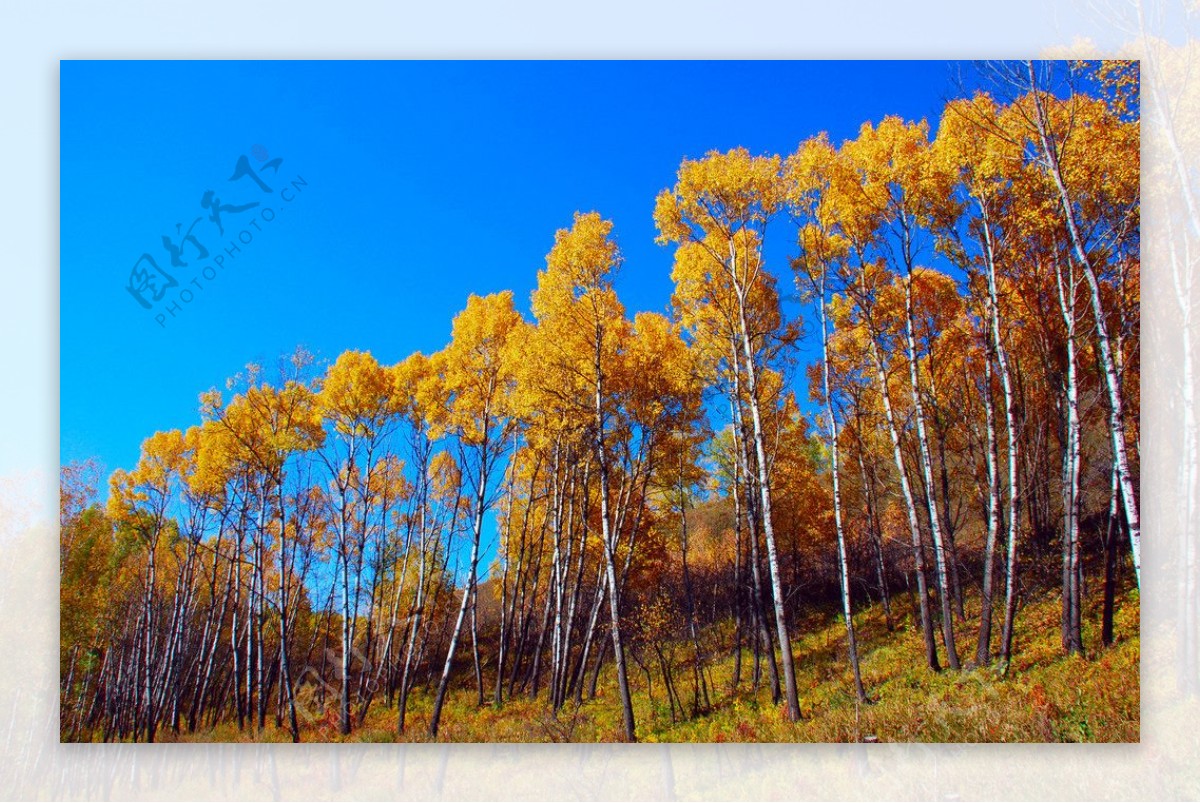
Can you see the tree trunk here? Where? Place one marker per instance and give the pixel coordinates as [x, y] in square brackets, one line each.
[785, 643]
[1072, 636]
[844, 571]
[983, 652]
[476, 531]
[935, 529]
[1112, 379]
[931, 656]
[609, 539]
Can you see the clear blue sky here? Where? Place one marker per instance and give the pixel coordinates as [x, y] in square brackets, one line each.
[422, 183]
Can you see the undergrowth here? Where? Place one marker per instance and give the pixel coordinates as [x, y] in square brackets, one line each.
[1042, 696]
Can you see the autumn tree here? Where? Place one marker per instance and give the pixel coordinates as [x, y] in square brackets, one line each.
[477, 372]
[356, 402]
[718, 211]
[581, 329]
[822, 254]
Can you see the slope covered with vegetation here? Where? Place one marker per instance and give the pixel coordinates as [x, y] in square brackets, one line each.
[1044, 697]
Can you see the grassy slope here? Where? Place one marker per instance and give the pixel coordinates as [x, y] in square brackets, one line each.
[1044, 696]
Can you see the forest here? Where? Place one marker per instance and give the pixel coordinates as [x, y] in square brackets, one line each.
[908, 512]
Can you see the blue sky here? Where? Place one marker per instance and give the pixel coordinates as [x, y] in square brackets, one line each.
[411, 185]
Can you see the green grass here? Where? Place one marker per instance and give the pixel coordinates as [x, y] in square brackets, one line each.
[1044, 696]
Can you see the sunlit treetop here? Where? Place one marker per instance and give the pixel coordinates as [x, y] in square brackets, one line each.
[477, 368]
[256, 432]
[584, 258]
[144, 495]
[356, 395]
[720, 194]
[417, 389]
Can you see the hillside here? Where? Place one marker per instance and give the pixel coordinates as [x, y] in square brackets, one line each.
[1045, 696]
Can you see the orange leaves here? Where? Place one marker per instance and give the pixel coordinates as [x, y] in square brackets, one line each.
[719, 194]
[659, 377]
[583, 344]
[810, 170]
[417, 389]
[478, 368]
[717, 213]
[1101, 162]
[800, 484]
[581, 327]
[284, 420]
[257, 431]
[668, 217]
[445, 476]
[704, 299]
[898, 176]
[123, 495]
[586, 252]
[583, 261]
[824, 194]
[356, 394]
[821, 245]
[162, 457]
[142, 497]
[973, 145]
[1119, 81]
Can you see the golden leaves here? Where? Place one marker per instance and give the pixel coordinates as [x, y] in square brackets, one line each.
[584, 258]
[719, 194]
[148, 490]
[477, 370]
[356, 394]
[256, 432]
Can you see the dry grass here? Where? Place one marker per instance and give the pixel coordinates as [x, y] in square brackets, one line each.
[1044, 697]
